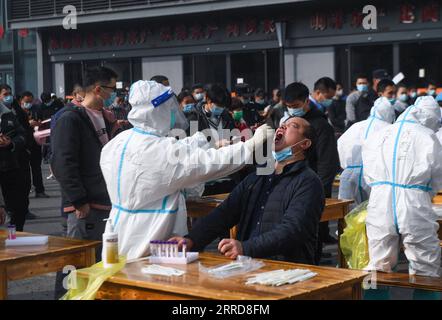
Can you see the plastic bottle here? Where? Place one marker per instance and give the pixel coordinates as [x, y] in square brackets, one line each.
[110, 245]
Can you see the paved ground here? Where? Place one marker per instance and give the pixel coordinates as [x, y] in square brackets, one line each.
[48, 222]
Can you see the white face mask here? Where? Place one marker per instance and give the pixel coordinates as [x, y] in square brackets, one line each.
[199, 97]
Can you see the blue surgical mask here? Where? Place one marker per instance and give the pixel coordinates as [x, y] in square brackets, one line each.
[392, 101]
[403, 97]
[326, 103]
[261, 102]
[27, 105]
[296, 112]
[217, 111]
[8, 100]
[414, 95]
[362, 87]
[283, 154]
[188, 108]
[108, 102]
[431, 92]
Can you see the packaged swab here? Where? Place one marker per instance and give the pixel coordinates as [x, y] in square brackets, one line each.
[162, 271]
[241, 265]
[281, 277]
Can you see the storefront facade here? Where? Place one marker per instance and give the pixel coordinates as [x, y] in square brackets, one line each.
[232, 43]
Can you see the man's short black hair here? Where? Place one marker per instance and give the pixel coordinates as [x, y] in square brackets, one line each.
[45, 97]
[183, 94]
[236, 104]
[218, 94]
[159, 79]
[431, 83]
[383, 84]
[325, 84]
[99, 76]
[361, 76]
[5, 87]
[296, 91]
[197, 86]
[259, 93]
[26, 94]
[381, 74]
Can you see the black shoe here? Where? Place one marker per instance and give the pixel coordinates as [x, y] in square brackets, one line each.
[31, 216]
[41, 195]
[330, 240]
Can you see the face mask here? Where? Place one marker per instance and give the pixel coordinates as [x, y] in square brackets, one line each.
[217, 111]
[327, 103]
[339, 93]
[108, 102]
[392, 101]
[431, 92]
[237, 115]
[8, 100]
[27, 105]
[362, 87]
[245, 101]
[296, 112]
[414, 95]
[199, 97]
[403, 97]
[188, 108]
[261, 102]
[285, 153]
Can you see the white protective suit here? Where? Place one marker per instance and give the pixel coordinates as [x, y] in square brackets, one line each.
[145, 171]
[403, 166]
[352, 185]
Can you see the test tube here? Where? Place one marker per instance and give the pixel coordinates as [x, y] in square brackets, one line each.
[184, 249]
[175, 249]
[12, 232]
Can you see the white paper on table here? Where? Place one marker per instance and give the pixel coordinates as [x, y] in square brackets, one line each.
[27, 241]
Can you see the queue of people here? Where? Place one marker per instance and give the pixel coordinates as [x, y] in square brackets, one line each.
[135, 156]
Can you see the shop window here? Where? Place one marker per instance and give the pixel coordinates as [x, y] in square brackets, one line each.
[421, 62]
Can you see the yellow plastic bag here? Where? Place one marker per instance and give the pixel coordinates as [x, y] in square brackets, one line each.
[353, 242]
[84, 284]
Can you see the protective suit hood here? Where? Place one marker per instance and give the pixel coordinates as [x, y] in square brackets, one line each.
[426, 111]
[383, 110]
[155, 108]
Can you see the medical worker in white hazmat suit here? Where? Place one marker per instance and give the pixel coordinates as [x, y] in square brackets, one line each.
[352, 185]
[146, 171]
[403, 166]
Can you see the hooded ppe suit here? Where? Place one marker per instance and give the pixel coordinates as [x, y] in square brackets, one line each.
[146, 171]
[352, 185]
[403, 166]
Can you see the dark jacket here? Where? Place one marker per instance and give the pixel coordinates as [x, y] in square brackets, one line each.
[198, 114]
[76, 160]
[364, 105]
[289, 225]
[337, 115]
[325, 161]
[9, 125]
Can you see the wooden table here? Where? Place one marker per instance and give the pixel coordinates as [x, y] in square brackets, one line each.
[335, 209]
[131, 284]
[29, 261]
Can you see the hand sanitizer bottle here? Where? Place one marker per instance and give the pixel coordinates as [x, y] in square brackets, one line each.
[110, 245]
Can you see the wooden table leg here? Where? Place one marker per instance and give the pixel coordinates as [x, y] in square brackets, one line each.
[3, 282]
[90, 257]
[341, 226]
[357, 292]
